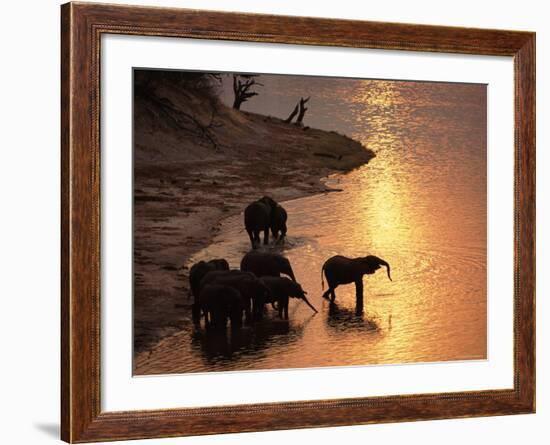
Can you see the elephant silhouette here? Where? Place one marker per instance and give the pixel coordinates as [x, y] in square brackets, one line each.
[283, 288]
[267, 264]
[278, 223]
[253, 291]
[218, 303]
[257, 218]
[342, 270]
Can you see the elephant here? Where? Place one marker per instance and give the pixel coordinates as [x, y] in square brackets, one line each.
[257, 218]
[218, 302]
[252, 290]
[342, 270]
[281, 288]
[268, 264]
[200, 269]
[278, 223]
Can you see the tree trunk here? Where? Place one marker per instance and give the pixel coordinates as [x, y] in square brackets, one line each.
[242, 89]
[303, 110]
[288, 120]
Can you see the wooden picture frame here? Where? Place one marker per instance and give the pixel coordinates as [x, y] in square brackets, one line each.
[82, 25]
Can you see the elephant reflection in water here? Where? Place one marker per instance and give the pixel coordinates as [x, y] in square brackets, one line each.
[343, 319]
[226, 346]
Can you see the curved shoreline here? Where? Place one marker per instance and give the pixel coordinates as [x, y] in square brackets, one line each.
[161, 302]
[184, 188]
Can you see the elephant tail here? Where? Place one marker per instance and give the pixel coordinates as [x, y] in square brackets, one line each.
[322, 281]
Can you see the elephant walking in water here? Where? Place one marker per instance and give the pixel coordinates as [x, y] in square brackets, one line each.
[278, 223]
[341, 270]
[267, 264]
[252, 290]
[257, 218]
[218, 303]
[283, 288]
[196, 274]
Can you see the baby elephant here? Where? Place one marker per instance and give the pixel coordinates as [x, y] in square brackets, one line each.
[342, 270]
[281, 288]
[218, 303]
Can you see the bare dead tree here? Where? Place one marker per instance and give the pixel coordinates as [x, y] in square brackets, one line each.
[288, 120]
[242, 88]
[300, 110]
[303, 110]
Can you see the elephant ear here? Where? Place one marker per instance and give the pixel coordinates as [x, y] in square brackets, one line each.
[372, 264]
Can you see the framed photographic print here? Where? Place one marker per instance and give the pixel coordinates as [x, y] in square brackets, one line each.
[279, 222]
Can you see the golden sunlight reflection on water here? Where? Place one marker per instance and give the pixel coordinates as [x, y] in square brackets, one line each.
[420, 205]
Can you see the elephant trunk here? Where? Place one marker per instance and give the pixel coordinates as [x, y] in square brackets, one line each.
[308, 303]
[384, 263]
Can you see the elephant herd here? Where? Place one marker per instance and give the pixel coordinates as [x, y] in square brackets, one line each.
[222, 294]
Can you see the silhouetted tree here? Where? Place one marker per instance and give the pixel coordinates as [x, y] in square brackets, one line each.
[303, 110]
[203, 128]
[300, 110]
[242, 87]
[288, 120]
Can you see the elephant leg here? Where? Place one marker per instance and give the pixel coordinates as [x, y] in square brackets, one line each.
[256, 241]
[282, 236]
[330, 291]
[286, 308]
[254, 308]
[247, 311]
[236, 321]
[359, 294]
[212, 321]
[217, 319]
[251, 236]
[259, 304]
[196, 314]
[266, 236]
[261, 311]
[223, 322]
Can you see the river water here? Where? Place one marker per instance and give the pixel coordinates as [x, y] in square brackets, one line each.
[420, 205]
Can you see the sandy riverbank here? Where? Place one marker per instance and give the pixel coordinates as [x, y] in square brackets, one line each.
[196, 163]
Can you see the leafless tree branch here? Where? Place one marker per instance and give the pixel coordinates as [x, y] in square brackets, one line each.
[186, 121]
[300, 110]
[242, 89]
